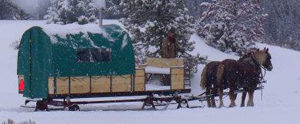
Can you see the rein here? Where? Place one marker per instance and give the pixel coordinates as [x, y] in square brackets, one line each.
[255, 61]
[262, 71]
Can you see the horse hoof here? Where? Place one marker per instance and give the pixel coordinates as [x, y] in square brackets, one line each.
[242, 105]
[250, 105]
[232, 105]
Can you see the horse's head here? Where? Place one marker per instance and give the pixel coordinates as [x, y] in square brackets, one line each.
[263, 57]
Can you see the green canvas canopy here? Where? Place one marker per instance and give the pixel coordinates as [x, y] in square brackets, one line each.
[72, 50]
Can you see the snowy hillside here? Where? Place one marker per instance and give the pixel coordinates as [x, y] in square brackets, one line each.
[279, 104]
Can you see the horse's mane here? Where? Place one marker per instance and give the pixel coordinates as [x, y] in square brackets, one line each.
[247, 55]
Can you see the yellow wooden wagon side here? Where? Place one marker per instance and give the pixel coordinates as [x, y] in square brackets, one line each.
[127, 84]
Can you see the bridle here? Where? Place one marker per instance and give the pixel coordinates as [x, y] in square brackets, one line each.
[262, 69]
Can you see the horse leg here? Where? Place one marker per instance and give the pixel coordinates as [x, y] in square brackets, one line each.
[221, 98]
[232, 97]
[250, 101]
[213, 102]
[208, 97]
[243, 98]
[235, 95]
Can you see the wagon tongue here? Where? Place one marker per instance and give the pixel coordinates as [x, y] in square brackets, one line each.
[21, 86]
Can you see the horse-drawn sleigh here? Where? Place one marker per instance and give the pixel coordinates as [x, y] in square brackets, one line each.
[56, 65]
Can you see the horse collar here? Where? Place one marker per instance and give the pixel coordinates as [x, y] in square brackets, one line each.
[261, 74]
[255, 61]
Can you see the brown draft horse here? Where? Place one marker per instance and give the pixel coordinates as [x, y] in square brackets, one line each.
[208, 82]
[209, 79]
[244, 74]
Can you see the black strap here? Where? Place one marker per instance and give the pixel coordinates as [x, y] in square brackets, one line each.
[261, 74]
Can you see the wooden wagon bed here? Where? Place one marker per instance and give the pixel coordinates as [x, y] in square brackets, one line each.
[124, 85]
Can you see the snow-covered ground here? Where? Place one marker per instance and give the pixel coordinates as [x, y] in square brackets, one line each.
[280, 102]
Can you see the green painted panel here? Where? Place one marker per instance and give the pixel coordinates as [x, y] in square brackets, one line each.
[23, 60]
[59, 59]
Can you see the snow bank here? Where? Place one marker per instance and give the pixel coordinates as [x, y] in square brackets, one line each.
[205, 50]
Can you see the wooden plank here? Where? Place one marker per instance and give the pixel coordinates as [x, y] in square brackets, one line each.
[139, 80]
[62, 85]
[51, 85]
[100, 84]
[141, 66]
[80, 85]
[177, 78]
[121, 83]
[164, 62]
[140, 72]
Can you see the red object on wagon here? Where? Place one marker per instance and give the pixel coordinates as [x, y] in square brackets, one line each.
[21, 86]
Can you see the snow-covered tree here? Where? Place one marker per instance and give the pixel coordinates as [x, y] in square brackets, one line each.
[9, 10]
[282, 24]
[231, 25]
[149, 21]
[70, 11]
[113, 10]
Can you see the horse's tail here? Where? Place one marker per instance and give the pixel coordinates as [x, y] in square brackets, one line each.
[220, 73]
[203, 78]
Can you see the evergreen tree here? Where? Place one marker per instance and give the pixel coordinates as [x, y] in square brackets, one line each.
[113, 11]
[231, 25]
[9, 10]
[149, 21]
[70, 11]
[194, 7]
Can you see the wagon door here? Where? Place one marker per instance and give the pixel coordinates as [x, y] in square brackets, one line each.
[24, 65]
[30, 76]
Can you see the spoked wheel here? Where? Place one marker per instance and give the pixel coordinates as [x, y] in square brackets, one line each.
[183, 104]
[74, 107]
[41, 106]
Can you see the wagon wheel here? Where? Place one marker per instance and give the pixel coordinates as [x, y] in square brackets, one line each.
[74, 107]
[183, 104]
[41, 106]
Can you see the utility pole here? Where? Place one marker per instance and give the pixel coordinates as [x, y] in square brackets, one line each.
[101, 6]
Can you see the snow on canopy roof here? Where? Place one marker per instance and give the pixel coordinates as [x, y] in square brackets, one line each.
[56, 30]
